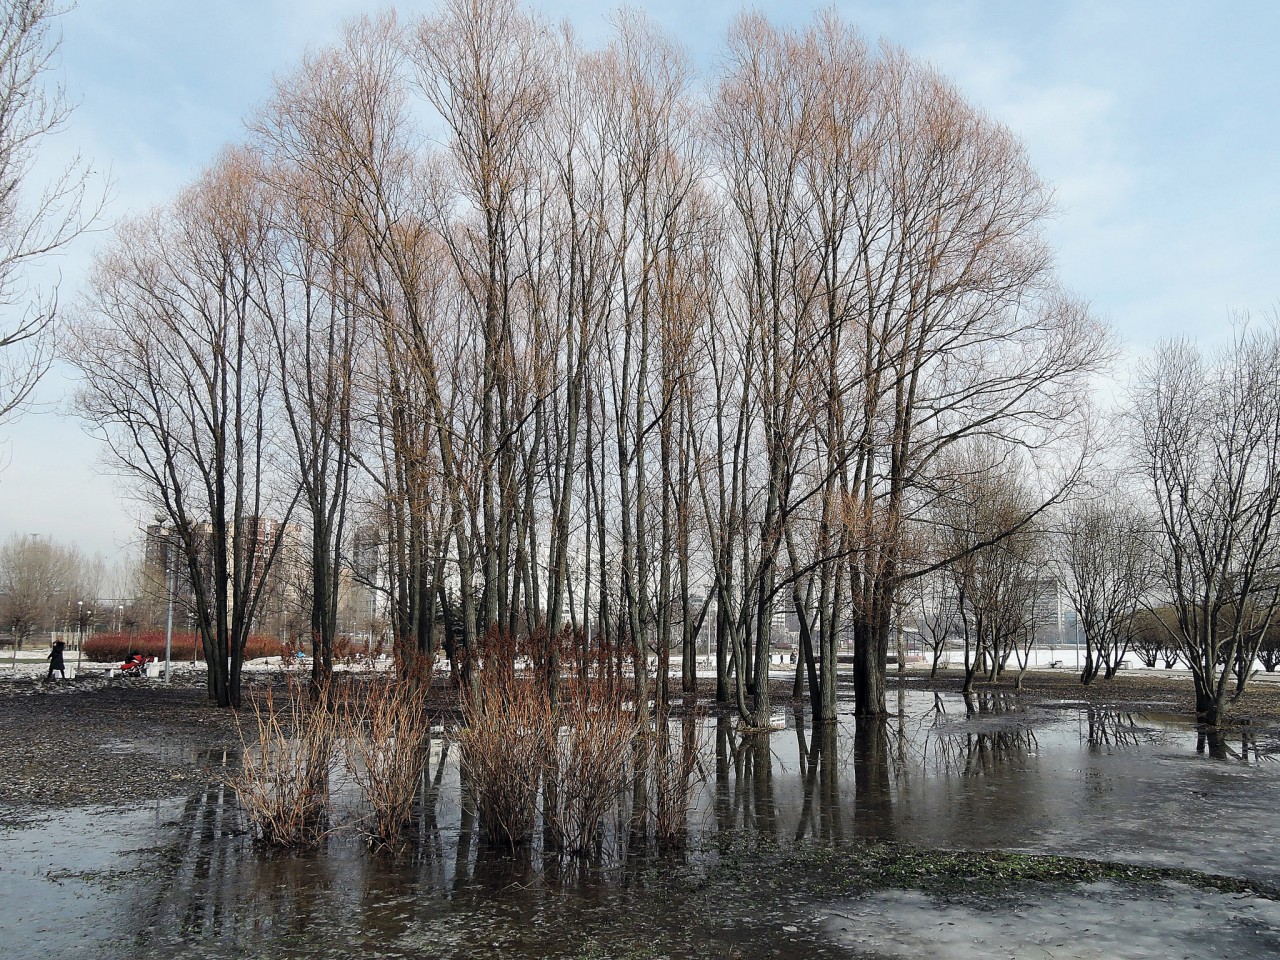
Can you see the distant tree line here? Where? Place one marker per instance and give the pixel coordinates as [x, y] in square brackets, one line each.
[46, 586]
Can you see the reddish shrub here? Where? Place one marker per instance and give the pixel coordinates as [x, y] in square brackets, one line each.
[258, 646]
[109, 647]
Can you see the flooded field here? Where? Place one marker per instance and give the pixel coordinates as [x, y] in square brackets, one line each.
[180, 876]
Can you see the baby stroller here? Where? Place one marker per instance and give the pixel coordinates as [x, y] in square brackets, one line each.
[133, 667]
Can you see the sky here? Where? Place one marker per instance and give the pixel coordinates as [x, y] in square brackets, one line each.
[1155, 122]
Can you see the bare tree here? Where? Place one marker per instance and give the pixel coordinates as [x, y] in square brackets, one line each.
[1146, 639]
[350, 109]
[310, 292]
[937, 615]
[969, 335]
[36, 219]
[482, 64]
[645, 124]
[1268, 649]
[1105, 559]
[178, 378]
[1204, 437]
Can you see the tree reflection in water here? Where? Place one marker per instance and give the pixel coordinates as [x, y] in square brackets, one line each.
[940, 771]
[991, 703]
[955, 749]
[820, 814]
[744, 801]
[846, 782]
[1107, 727]
[873, 784]
[1217, 743]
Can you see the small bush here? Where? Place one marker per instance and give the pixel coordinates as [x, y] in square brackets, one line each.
[283, 785]
[574, 751]
[589, 762]
[385, 727]
[116, 647]
[505, 745]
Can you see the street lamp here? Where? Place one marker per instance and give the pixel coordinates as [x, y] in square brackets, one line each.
[169, 589]
[1077, 639]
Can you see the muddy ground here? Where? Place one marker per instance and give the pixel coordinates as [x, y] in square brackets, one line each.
[114, 742]
[95, 742]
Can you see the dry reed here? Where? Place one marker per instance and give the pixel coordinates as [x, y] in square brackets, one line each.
[385, 727]
[505, 743]
[588, 763]
[283, 785]
[579, 753]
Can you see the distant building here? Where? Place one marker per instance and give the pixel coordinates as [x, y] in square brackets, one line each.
[1051, 613]
[784, 631]
[165, 561]
[365, 584]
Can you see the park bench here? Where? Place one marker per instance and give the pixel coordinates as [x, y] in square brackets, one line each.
[1055, 664]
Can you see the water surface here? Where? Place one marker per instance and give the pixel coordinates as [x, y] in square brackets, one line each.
[182, 876]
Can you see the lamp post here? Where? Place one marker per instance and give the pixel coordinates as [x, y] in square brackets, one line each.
[373, 622]
[169, 589]
[1077, 639]
[79, 633]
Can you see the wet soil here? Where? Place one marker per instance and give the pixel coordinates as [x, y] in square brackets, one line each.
[104, 743]
[101, 742]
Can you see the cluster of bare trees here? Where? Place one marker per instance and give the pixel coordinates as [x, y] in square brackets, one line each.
[989, 522]
[1021, 571]
[1204, 436]
[617, 356]
[45, 585]
[1185, 569]
[1106, 565]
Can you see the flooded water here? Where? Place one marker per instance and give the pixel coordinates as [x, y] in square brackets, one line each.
[182, 877]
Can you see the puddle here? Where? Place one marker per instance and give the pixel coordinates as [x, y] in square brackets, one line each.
[182, 878]
[66, 881]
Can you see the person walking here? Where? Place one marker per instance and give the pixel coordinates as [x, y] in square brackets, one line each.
[55, 661]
